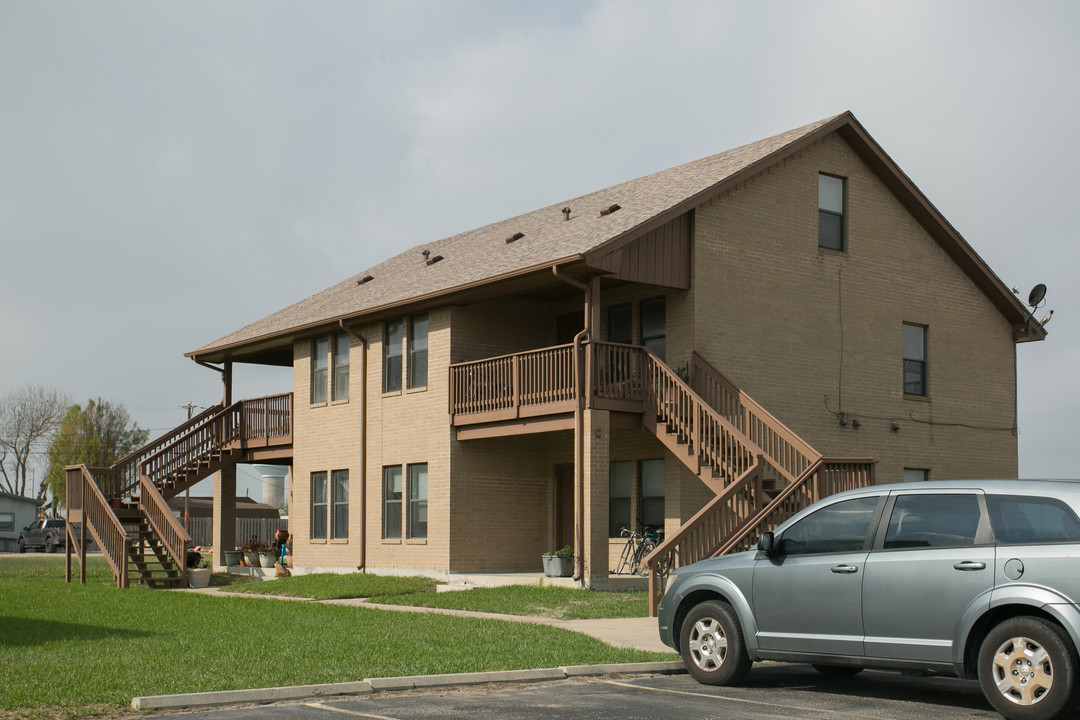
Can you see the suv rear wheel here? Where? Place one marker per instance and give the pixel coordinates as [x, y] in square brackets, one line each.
[712, 644]
[1028, 670]
[49, 547]
[22, 545]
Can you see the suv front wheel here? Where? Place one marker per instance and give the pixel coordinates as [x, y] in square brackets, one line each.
[712, 644]
[1028, 669]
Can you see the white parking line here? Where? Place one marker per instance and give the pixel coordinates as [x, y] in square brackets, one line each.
[844, 713]
[343, 711]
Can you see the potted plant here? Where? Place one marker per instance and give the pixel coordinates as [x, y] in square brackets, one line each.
[559, 563]
[252, 549]
[199, 576]
[232, 557]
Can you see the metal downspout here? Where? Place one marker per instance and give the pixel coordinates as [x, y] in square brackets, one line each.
[363, 439]
[579, 428]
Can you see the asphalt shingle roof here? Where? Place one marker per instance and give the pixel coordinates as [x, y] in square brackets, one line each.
[483, 254]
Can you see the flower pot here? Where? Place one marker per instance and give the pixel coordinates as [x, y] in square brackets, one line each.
[556, 566]
[252, 559]
[198, 577]
[267, 560]
[232, 557]
[281, 535]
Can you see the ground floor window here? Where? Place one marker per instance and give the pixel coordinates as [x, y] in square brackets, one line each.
[620, 484]
[7, 521]
[392, 502]
[340, 501]
[635, 501]
[418, 500]
[318, 505]
[652, 492]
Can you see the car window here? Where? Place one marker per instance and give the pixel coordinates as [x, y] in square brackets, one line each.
[54, 523]
[841, 527]
[1027, 520]
[933, 520]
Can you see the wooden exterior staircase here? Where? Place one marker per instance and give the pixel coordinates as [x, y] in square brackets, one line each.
[124, 508]
[761, 472]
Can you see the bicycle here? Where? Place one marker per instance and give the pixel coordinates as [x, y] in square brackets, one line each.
[638, 546]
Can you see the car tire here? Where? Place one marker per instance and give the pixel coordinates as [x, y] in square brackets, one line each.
[837, 671]
[1028, 670]
[22, 545]
[49, 546]
[712, 645]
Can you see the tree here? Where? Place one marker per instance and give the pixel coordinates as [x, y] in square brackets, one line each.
[28, 416]
[96, 436]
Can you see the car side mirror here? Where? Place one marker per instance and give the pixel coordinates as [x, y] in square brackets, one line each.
[767, 543]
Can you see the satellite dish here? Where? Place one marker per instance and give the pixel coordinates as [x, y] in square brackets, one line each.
[1035, 297]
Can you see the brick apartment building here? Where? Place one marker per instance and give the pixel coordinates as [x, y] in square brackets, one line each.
[710, 346]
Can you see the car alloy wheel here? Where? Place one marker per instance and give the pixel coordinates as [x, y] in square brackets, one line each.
[1027, 669]
[712, 644]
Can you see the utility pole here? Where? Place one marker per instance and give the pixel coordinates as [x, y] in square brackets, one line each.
[190, 407]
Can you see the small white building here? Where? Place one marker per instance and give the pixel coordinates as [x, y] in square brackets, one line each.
[16, 512]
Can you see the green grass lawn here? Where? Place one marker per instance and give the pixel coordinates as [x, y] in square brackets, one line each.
[76, 650]
[556, 602]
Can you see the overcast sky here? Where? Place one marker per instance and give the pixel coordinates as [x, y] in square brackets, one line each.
[172, 171]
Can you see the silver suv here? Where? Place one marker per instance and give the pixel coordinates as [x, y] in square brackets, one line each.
[975, 579]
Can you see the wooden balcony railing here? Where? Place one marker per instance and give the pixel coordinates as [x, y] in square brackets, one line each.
[512, 386]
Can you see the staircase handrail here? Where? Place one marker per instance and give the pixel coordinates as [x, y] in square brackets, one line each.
[84, 495]
[222, 431]
[129, 464]
[786, 450]
[156, 510]
[697, 538]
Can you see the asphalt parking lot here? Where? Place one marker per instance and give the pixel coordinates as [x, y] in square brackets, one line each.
[772, 691]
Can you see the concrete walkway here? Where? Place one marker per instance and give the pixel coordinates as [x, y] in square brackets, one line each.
[638, 633]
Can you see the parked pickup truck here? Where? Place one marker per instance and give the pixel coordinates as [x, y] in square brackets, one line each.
[49, 534]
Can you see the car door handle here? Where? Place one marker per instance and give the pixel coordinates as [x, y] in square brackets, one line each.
[845, 569]
[968, 566]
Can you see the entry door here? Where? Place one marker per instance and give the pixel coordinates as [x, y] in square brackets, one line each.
[564, 505]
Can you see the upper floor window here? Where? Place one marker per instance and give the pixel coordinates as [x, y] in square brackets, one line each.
[653, 326]
[330, 368]
[340, 360]
[830, 212]
[914, 360]
[319, 355]
[392, 357]
[418, 356]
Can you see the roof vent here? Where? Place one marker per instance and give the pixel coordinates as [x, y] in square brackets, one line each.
[609, 210]
[566, 213]
[430, 259]
[365, 279]
[514, 237]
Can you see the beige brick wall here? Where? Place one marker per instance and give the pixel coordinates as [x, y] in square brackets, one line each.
[807, 331]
